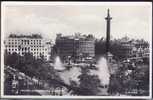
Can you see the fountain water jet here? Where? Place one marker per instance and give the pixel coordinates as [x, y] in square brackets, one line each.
[103, 71]
[58, 65]
[66, 75]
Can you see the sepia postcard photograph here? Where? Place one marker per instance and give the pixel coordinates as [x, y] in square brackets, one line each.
[76, 50]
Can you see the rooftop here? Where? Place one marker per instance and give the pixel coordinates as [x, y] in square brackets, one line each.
[76, 36]
[25, 36]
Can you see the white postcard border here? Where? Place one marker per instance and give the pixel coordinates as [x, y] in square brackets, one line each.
[3, 4]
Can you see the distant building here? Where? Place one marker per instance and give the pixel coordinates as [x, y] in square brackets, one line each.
[86, 46]
[141, 48]
[134, 48]
[34, 44]
[127, 47]
[75, 46]
[65, 46]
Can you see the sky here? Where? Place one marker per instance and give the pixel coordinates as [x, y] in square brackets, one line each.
[132, 20]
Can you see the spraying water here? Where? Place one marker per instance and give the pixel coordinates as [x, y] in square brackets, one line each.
[71, 75]
[67, 75]
[103, 71]
[58, 65]
[74, 72]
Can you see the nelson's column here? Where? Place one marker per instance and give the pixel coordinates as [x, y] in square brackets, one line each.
[108, 20]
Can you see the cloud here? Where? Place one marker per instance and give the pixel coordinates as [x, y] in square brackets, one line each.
[132, 21]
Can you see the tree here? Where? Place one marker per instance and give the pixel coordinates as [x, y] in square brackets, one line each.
[141, 78]
[100, 47]
[114, 85]
[117, 81]
[8, 84]
[118, 50]
[32, 67]
[90, 84]
[11, 59]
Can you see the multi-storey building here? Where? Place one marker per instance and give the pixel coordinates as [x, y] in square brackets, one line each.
[34, 44]
[75, 46]
[133, 48]
[127, 46]
[86, 46]
[65, 46]
[141, 48]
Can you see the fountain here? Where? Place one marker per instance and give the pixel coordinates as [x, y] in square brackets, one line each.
[66, 75]
[58, 65]
[103, 71]
[71, 75]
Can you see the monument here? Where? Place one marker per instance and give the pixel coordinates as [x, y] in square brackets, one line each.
[108, 23]
[108, 20]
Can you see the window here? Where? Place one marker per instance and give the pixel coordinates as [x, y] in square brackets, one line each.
[28, 41]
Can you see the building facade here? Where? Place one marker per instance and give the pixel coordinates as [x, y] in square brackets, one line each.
[141, 48]
[65, 46]
[34, 44]
[75, 46]
[133, 48]
[127, 47]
